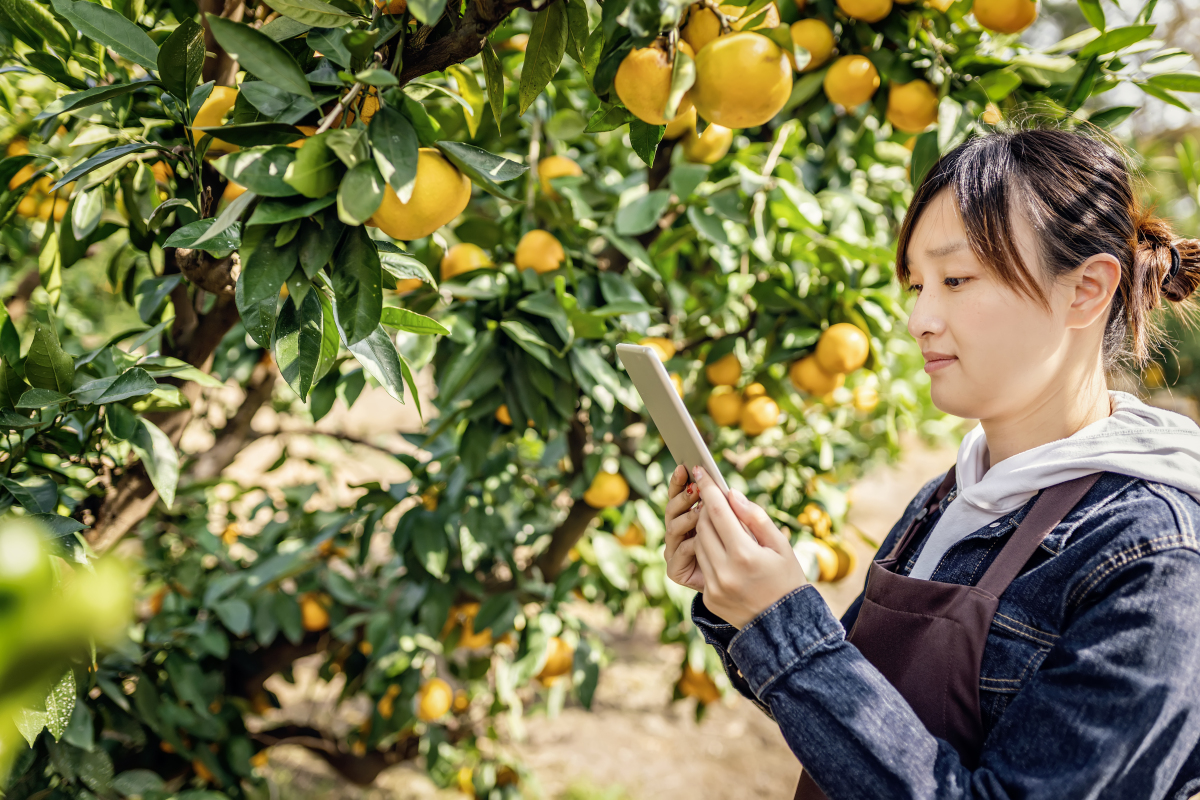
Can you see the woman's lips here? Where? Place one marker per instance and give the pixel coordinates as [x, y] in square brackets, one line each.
[939, 363]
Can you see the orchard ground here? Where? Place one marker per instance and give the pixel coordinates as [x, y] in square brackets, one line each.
[635, 744]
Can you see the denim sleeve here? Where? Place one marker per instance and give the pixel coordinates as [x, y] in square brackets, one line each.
[1111, 713]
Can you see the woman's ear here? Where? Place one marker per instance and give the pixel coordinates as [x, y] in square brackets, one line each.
[1096, 282]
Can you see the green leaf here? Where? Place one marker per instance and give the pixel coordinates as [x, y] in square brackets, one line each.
[543, 53]
[41, 398]
[357, 286]
[225, 220]
[32, 23]
[349, 145]
[106, 156]
[427, 11]
[318, 241]
[395, 145]
[411, 321]
[401, 266]
[257, 293]
[110, 28]
[483, 168]
[493, 76]
[38, 495]
[271, 211]
[642, 214]
[296, 342]
[528, 340]
[683, 76]
[330, 343]
[134, 382]
[1115, 39]
[431, 548]
[1162, 94]
[577, 29]
[1093, 13]
[378, 356]
[259, 169]
[317, 169]
[925, 155]
[1111, 116]
[234, 614]
[313, 12]
[48, 366]
[360, 194]
[376, 77]
[60, 702]
[468, 89]
[259, 54]
[608, 117]
[1177, 81]
[283, 28]
[645, 138]
[707, 224]
[255, 134]
[90, 97]
[221, 245]
[181, 59]
[158, 456]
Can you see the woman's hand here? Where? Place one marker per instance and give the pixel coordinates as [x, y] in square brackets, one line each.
[681, 521]
[742, 578]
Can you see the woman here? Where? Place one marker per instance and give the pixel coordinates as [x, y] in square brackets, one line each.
[1031, 625]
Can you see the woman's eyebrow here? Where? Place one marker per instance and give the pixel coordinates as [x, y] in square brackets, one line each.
[942, 250]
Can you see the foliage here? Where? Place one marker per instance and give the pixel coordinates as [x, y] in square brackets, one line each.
[198, 249]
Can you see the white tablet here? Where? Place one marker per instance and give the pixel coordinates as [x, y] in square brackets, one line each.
[666, 408]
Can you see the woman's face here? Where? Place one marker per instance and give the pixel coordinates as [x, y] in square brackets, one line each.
[1004, 351]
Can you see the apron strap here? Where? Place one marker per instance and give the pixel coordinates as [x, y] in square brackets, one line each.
[943, 489]
[1048, 510]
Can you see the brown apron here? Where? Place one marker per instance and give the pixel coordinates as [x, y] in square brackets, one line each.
[927, 637]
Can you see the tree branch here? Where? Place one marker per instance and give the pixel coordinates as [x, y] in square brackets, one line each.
[463, 42]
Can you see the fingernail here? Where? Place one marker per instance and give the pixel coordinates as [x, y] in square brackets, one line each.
[696, 472]
[738, 497]
[689, 489]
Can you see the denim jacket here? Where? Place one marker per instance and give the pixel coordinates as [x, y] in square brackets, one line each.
[1090, 680]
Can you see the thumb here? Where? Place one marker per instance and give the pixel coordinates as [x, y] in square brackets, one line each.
[758, 522]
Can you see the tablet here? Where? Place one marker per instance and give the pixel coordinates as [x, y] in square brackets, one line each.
[666, 408]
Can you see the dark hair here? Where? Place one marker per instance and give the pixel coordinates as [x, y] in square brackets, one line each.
[1074, 190]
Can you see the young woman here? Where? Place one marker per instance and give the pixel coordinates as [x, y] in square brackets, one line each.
[1030, 627]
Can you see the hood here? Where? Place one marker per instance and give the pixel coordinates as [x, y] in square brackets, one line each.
[1137, 439]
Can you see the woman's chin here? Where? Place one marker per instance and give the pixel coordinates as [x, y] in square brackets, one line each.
[949, 401]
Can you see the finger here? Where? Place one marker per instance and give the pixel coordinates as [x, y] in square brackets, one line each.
[706, 530]
[679, 527]
[727, 525]
[679, 479]
[758, 522]
[687, 565]
[682, 501]
[703, 558]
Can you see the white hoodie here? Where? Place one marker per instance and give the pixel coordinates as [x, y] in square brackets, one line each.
[1136, 439]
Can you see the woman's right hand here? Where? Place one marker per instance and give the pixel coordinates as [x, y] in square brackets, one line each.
[681, 525]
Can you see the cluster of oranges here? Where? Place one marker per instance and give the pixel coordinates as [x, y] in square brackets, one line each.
[842, 349]
[38, 202]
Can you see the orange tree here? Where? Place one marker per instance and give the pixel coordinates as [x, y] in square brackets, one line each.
[497, 191]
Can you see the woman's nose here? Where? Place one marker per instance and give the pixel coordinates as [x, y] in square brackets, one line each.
[925, 319]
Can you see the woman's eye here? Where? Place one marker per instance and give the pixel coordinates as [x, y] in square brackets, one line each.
[916, 287]
[961, 281]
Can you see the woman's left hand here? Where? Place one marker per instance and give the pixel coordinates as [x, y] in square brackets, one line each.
[742, 578]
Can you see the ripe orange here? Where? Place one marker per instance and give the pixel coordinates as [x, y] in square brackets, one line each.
[433, 699]
[842, 348]
[643, 83]
[851, 81]
[725, 371]
[742, 80]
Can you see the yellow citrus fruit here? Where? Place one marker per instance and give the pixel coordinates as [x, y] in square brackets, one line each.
[50, 206]
[552, 167]
[516, 43]
[725, 371]
[23, 174]
[17, 147]
[464, 615]
[503, 415]
[697, 684]
[911, 144]
[842, 348]
[807, 376]
[463, 258]
[912, 107]
[866, 10]
[684, 121]
[847, 560]
[992, 115]
[462, 701]
[392, 6]
[754, 390]
[827, 561]
[703, 26]
[608, 489]
[1005, 16]
[28, 207]
[212, 113]
[433, 699]
[678, 381]
[851, 80]
[233, 191]
[643, 82]
[633, 536]
[742, 80]
[231, 533]
[941, 5]
[307, 130]
[406, 285]
[540, 251]
[725, 406]
[866, 398]
[816, 518]
[558, 662]
[162, 170]
[463, 779]
[815, 37]
[313, 613]
[708, 147]
[758, 415]
[439, 195]
[665, 348]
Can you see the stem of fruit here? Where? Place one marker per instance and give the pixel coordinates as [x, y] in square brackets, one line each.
[714, 7]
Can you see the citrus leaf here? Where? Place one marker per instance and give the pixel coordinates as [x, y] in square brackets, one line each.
[1113, 40]
[645, 138]
[357, 286]
[642, 214]
[493, 76]
[158, 455]
[255, 134]
[468, 89]
[543, 53]
[259, 54]
[395, 145]
[48, 366]
[257, 293]
[482, 167]
[103, 157]
[60, 702]
[427, 11]
[317, 169]
[683, 76]
[378, 356]
[32, 23]
[360, 193]
[222, 245]
[90, 97]
[296, 342]
[316, 13]
[272, 211]
[406, 320]
[181, 59]
[110, 28]
[228, 218]
[260, 169]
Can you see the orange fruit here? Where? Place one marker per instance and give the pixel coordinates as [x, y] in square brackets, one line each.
[912, 107]
[558, 662]
[759, 414]
[708, 147]
[725, 406]
[643, 83]
[1005, 16]
[807, 376]
[313, 613]
[439, 195]
[725, 371]
[815, 37]
[552, 167]
[540, 251]
[664, 348]
[608, 489]
[842, 348]
[433, 699]
[727, 66]
[851, 81]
